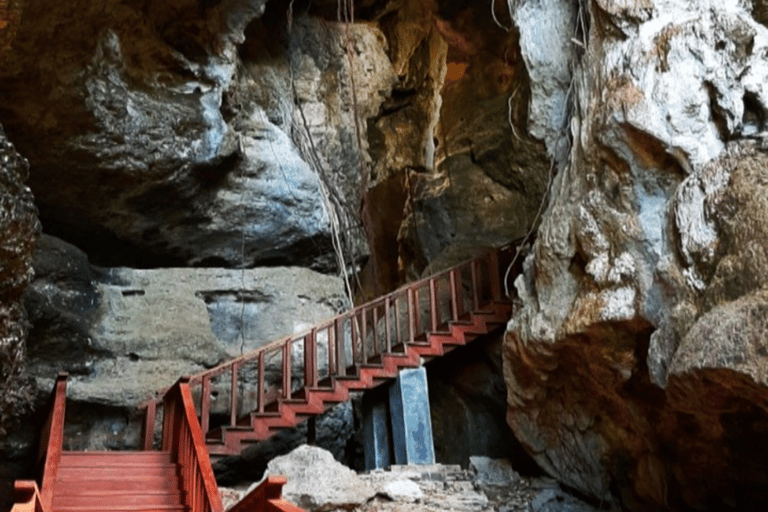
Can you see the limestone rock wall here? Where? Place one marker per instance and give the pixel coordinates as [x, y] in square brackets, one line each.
[636, 366]
[173, 143]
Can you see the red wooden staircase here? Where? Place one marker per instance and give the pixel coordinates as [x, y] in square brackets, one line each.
[251, 398]
[177, 478]
[136, 481]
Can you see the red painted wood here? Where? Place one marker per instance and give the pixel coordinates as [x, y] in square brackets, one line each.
[434, 307]
[233, 378]
[148, 427]
[26, 497]
[266, 497]
[287, 365]
[185, 440]
[55, 441]
[205, 404]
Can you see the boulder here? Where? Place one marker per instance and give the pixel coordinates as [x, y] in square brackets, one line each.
[402, 490]
[641, 296]
[19, 229]
[317, 482]
[124, 334]
[556, 500]
[177, 158]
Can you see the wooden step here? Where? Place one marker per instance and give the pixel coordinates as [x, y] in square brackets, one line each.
[116, 472]
[123, 508]
[114, 458]
[146, 499]
[94, 484]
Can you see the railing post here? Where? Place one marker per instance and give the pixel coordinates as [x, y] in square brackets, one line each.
[148, 427]
[354, 329]
[376, 348]
[454, 294]
[387, 329]
[310, 358]
[413, 313]
[233, 390]
[287, 364]
[262, 384]
[341, 365]
[433, 306]
[331, 337]
[398, 327]
[55, 440]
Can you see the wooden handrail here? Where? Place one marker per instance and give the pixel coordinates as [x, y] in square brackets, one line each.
[26, 497]
[53, 440]
[267, 496]
[183, 437]
[350, 334]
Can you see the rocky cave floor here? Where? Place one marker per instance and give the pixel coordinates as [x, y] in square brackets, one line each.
[318, 483]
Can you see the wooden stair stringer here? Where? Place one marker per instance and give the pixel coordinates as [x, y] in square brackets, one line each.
[311, 401]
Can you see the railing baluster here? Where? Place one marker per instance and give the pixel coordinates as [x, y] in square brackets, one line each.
[387, 333]
[262, 382]
[454, 295]
[287, 364]
[233, 392]
[353, 327]
[310, 359]
[331, 337]
[417, 313]
[364, 334]
[433, 306]
[398, 327]
[411, 315]
[338, 329]
[376, 349]
[148, 433]
[205, 404]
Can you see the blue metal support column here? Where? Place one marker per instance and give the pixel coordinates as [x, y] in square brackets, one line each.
[411, 419]
[376, 439]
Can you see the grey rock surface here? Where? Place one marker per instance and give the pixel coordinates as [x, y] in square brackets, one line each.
[402, 490]
[316, 481]
[492, 472]
[141, 329]
[639, 296]
[124, 334]
[178, 159]
[556, 500]
[19, 229]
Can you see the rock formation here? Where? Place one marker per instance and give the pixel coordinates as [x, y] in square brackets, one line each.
[212, 155]
[637, 363]
[172, 145]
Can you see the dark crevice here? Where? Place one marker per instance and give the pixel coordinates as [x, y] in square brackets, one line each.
[717, 113]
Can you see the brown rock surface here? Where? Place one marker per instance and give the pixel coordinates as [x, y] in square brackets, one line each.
[636, 367]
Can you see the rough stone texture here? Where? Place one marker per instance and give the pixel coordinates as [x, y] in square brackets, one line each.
[402, 490]
[333, 432]
[317, 482]
[123, 334]
[184, 147]
[637, 365]
[555, 500]
[19, 228]
[471, 173]
[436, 488]
[467, 402]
